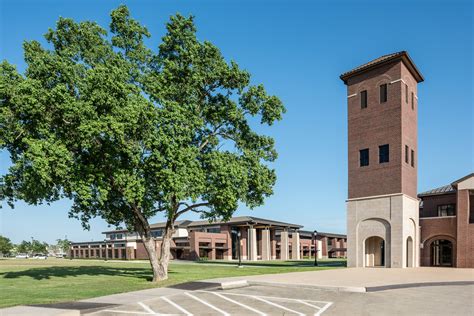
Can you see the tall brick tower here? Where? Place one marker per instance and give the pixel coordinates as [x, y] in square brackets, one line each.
[382, 206]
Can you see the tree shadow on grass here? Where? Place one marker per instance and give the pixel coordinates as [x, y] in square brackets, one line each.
[64, 272]
[287, 264]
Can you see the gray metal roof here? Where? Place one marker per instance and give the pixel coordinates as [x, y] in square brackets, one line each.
[245, 220]
[330, 235]
[446, 189]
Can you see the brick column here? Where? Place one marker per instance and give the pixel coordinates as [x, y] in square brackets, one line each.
[243, 242]
[284, 247]
[194, 246]
[266, 246]
[228, 231]
[252, 243]
[295, 245]
[273, 244]
[465, 233]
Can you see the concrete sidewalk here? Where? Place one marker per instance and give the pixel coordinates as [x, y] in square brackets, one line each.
[359, 279]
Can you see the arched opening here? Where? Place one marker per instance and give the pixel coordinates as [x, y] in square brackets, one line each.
[441, 253]
[374, 252]
[409, 252]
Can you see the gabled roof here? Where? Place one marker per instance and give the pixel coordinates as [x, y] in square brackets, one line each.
[383, 60]
[462, 179]
[446, 189]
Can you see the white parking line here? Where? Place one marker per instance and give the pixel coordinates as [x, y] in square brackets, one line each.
[328, 304]
[306, 303]
[121, 312]
[240, 304]
[176, 305]
[148, 309]
[207, 304]
[274, 297]
[277, 305]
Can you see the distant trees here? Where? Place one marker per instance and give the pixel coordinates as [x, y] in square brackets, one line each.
[5, 245]
[63, 245]
[35, 246]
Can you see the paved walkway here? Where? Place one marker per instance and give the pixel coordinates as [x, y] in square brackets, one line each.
[362, 279]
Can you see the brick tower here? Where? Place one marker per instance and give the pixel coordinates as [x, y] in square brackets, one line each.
[382, 206]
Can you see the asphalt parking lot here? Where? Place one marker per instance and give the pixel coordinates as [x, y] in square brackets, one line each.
[269, 300]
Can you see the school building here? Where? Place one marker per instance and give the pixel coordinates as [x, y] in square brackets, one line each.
[260, 239]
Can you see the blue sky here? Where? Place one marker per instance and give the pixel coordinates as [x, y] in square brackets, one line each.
[297, 49]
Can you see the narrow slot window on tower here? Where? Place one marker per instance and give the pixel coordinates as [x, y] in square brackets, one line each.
[412, 158]
[364, 157]
[384, 153]
[383, 93]
[412, 101]
[406, 153]
[363, 99]
[406, 93]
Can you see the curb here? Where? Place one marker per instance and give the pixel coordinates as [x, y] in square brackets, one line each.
[356, 289]
[353, 289]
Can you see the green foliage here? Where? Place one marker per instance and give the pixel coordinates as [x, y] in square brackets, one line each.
[63, 245]
[38, 247]
[125, 132]
[23, 247]
[5, 245]
[35, 246]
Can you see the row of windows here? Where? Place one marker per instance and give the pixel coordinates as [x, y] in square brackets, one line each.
[384, 155]
[116, 236]
[446, 210]
[383, 96]
[409, 154]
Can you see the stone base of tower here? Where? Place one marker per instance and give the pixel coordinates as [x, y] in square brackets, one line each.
[383, 231]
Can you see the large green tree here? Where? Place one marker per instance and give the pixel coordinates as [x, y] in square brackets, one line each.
[127, 132]
[5, 245]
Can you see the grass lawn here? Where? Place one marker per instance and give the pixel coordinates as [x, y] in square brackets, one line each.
[29, 281]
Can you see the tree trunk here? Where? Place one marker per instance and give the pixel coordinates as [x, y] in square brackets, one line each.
[159, 263]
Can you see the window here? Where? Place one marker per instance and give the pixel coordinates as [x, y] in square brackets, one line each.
[364, 157]
[383, 93]
[112, 236]
[384, 153]
[406, 153]
[447, 210]
[156, 233]
[118, 236]
[412, 158]
[363, 99]
[214, 230]
[406, 93]
[412, 101]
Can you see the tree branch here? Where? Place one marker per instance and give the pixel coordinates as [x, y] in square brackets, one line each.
[191, 207]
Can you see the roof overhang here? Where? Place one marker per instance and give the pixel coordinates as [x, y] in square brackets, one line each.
[384, 60]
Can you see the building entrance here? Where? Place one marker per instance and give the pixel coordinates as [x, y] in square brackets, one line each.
[442, 253]
[374, 252]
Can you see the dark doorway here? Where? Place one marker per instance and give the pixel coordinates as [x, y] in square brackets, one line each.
[442, 253]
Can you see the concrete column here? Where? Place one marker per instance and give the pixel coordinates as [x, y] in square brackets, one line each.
[213, 250]
[284, 251]
[319, 247]
[252, 240]
[266, 246]
[273, 244]
[295, 245]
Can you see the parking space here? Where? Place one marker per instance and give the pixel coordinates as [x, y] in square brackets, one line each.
[220, 303]
[276, 300]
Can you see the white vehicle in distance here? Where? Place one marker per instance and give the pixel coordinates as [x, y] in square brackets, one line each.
[21, 256]
[40, 256]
